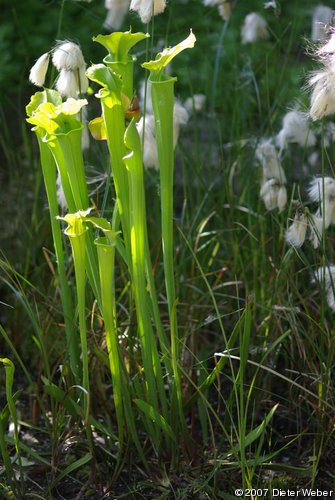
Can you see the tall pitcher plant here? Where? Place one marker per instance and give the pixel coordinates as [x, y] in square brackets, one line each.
[151, 393]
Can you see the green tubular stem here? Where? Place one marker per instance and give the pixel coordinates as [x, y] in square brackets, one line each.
[154, 304]
[151, 362]
[66, 149]
[115, 128]
[49, 175]
[79, 257]
[70, 145]
[162, 95]
[121, 387]
[106, 255]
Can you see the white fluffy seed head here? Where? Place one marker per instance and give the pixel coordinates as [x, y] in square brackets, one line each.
[211, 3]
[117, 10]
[269, 193]
[318, 186]
[146, 126]
[67, 56]
[196, 102]
[295, 129]
[72, 83]
[180, 118]
[296, 233]
[267, 156]
[315, 226]
[145, 95]
[281, 198]
[225, 10]
[271, 4]
[83, 80]
[325, 276]
[328, 47]
[67, 83]
[323, 95]
[60, 195]
[147, 8]
[39, 70]
[254, 28]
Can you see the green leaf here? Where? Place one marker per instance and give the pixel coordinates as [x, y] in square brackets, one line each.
[255, 433]
[165, 57]
[99, 223]
[75, 465]
[118, 44]
[30, 451]
[150, 412]
[71, 406]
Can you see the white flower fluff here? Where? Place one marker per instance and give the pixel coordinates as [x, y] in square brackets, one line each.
[67, 55]
[196, 102]
[146, 128]
[254, 28]
[69, 61]
[295, 128]
[322, 16]
[273, 191]
[325, 276]
[323, 192]
[320, 186]
[323, 95]
[329, 46]
[271, 4]
[60, 195]
[117, 10]
[273, 194]
[148, 8]
[315, 226]
[296, 233]
[267, 156]
[145, 96]
[39, 70]
[180, 118]
[225, 9]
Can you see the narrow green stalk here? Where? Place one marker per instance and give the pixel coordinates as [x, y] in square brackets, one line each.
[79, 258]
[151, 362]
[114, 120]
[106, 255]
[10, 369]
[162, 94]
[66, 149]
[49, 175]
